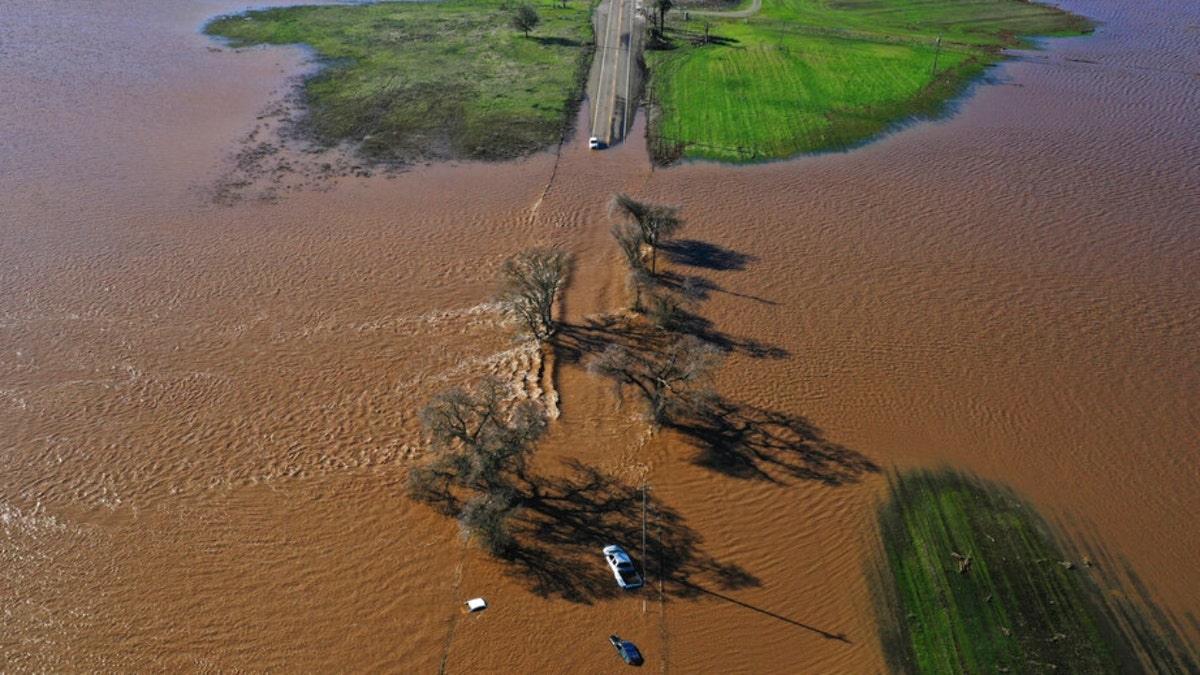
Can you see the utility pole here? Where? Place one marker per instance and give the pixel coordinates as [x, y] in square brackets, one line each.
[643, 522]
[644, 558]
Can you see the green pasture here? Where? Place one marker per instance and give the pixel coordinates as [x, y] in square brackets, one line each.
[981, 587]
[977, 585]
[805, 75]
[406, 80]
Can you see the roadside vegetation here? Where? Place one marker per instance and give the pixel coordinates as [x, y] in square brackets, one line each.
[530, 283]
[403, 81]
[803, 76]
[660, 356]
[480, 444]
[666, 368]
[481, 439]
[974, 583]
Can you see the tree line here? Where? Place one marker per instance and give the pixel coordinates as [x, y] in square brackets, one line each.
[480, 442]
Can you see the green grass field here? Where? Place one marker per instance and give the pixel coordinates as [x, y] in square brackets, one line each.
[451, 79]
[806, 75]
[973, 582]
[981, 587]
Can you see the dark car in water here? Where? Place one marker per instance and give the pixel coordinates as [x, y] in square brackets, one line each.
[628, 651]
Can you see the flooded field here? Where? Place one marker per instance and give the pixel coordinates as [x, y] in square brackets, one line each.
[208, 405]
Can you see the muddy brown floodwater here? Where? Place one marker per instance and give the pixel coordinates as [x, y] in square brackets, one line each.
[207, 410]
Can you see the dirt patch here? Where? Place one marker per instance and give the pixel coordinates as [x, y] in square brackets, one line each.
[278, 155]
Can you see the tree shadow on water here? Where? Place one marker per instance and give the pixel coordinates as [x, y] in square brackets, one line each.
[566, 521]
[840, 637]
[705, 255]
[575, 342]
[690, 323]
[745, 441]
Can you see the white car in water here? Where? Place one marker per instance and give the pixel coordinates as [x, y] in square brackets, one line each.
[622, 567]
[595, 143]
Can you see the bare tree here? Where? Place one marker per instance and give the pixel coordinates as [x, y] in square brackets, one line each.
[526, 19]
[433, 481]
[669, 309]
[480, 444]
[629, 240]
[481, 441]
[663, 6]
[531, 281]
[667, 377]
[655, 223]
[459, 416]
[485, 517]
[480, 447]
